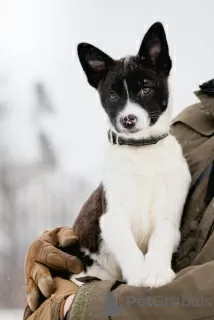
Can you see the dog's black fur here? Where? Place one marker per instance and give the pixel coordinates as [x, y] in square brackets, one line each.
[146, 73]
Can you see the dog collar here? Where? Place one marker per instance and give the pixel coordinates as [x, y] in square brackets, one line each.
[116, 139]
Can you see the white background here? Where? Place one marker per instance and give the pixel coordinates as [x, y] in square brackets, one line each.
[38, 40]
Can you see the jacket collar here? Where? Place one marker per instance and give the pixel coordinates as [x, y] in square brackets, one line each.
[198, 116]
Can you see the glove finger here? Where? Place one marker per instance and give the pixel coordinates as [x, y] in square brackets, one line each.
[57, 259]
[65, 287]
[42, 277]
[27, 312]
[60, 237]
[66, 237]
[46, 231]
[32, 292]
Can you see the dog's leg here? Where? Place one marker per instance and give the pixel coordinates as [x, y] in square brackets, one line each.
[118, 238]
[165, 236]
[163, 242]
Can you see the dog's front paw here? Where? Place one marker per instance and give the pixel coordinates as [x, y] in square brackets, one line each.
[136, 280]
[133, 272]
[156, 276]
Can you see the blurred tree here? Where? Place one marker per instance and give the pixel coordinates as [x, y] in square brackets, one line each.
[33, 196]
[44, 105]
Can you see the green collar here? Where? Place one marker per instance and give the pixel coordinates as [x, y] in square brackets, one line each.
[116, 139]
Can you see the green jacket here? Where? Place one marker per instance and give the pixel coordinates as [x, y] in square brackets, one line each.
[191, 295]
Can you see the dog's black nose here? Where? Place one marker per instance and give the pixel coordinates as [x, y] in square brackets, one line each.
[128, 121]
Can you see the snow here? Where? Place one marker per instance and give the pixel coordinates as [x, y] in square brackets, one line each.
[12, 314]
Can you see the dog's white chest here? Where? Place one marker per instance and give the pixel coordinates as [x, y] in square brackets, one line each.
[133, 177]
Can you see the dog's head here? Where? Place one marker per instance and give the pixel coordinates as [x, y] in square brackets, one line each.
[133, 90]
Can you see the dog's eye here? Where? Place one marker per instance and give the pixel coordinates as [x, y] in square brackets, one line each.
[146, 91]
[113, 96]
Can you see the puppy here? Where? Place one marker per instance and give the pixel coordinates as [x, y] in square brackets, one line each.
[146, 178]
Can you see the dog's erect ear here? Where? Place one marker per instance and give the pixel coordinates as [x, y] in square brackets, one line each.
[154, 48]
[94, 62]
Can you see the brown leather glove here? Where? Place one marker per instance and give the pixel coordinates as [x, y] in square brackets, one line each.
[52, 308]
[44, 253]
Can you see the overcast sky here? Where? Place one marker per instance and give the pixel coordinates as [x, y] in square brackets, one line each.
[38, 40]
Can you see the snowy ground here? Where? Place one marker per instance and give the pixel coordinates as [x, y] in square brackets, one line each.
[12, 314]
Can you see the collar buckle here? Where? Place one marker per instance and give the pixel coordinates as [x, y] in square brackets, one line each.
[110, 136]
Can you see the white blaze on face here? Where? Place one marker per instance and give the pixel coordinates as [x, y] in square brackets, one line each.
[126, 61]
[143, 120]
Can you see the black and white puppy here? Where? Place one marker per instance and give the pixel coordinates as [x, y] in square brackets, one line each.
[146, 178]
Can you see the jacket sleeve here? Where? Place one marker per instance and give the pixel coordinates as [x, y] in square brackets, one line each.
[189, 297]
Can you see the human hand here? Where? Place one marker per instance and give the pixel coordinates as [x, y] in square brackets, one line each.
[45, 253]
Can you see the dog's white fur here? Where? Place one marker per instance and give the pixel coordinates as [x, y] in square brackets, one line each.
[145, 188]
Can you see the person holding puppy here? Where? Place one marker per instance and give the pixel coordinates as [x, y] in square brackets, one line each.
[189, 296]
